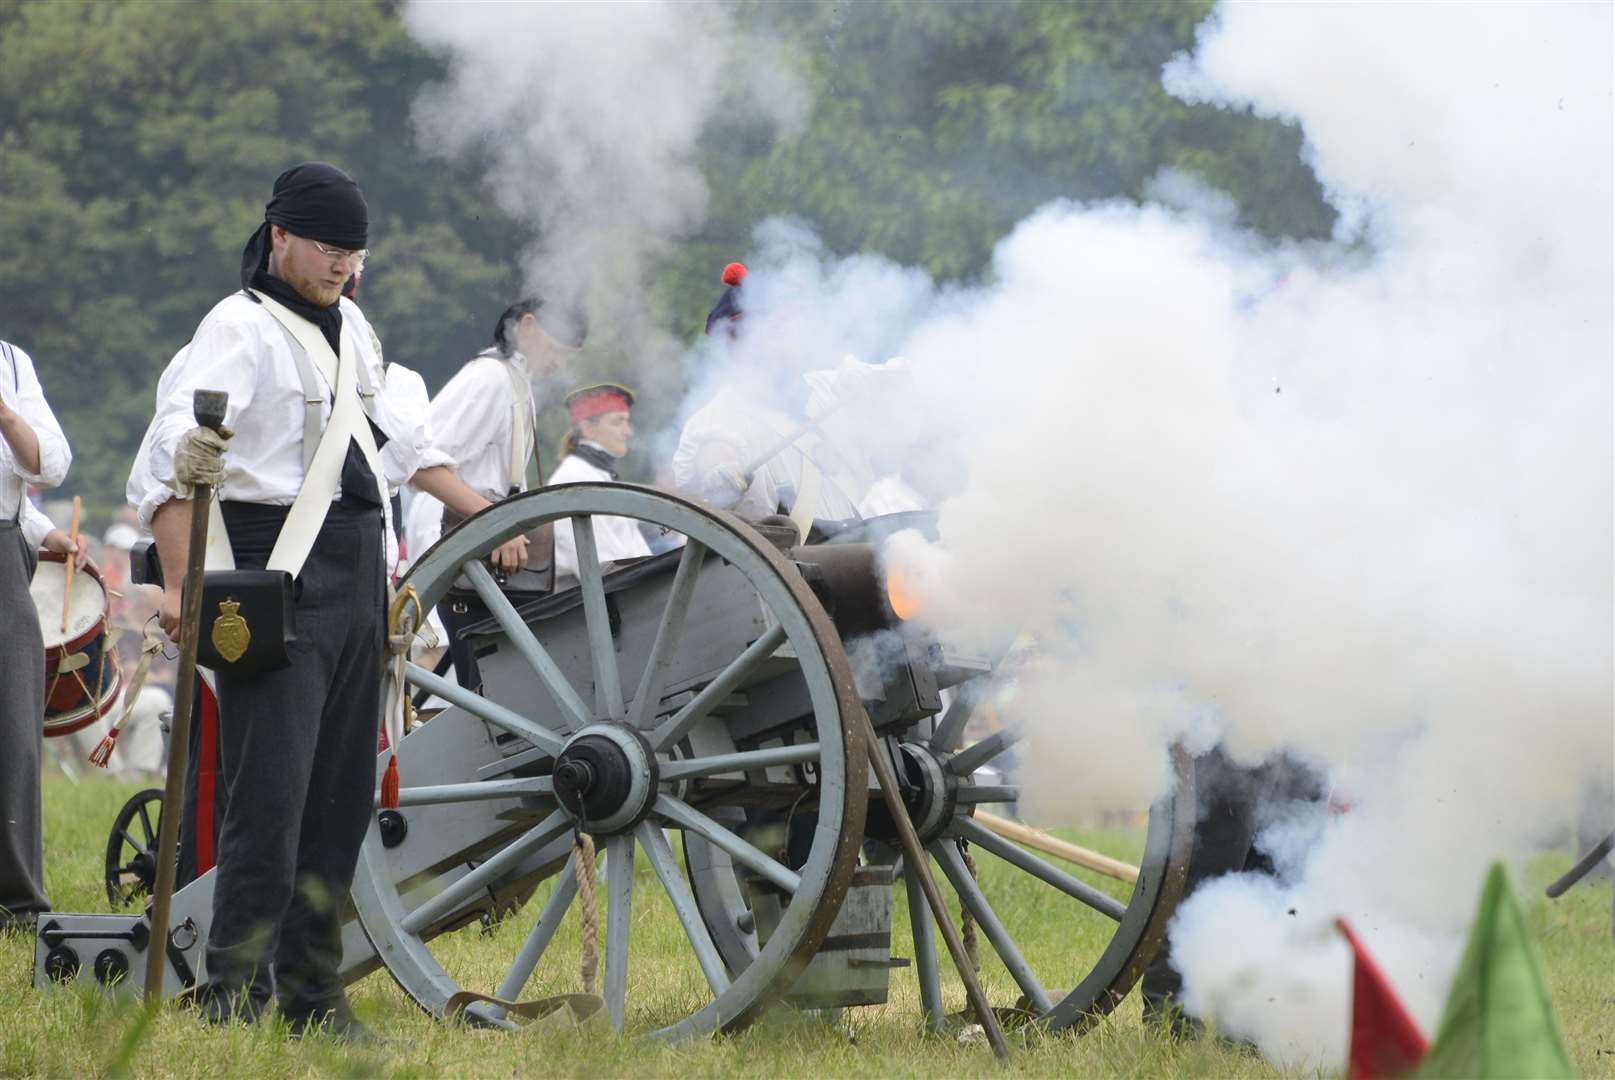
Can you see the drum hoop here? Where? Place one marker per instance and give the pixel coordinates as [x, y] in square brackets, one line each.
[103, 626]
[88, 713]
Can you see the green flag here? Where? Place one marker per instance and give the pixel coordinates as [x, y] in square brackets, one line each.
[1499, 1021]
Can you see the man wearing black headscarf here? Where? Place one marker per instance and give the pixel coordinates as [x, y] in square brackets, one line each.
[297, 744]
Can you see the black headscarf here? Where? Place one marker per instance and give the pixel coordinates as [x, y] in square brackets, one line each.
[317, 202]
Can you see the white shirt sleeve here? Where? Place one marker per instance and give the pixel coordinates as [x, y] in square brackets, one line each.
[24, 394]
[423, 524]
[141, 479]
[223, 356]
[35, 524]
[410, 409]
[470, 425]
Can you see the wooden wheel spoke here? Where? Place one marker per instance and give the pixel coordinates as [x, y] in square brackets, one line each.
[683, 899]
[478, 879]
[1022, 859]
[669, 635]
[989, 793]
[926, 968]
[484, 709]
[742, 761]
[527, 645]
[538, 939]
[687, 817]
[975, 756]
[602, 647]
[675, 727]
[951, 727]
[474, 792]
[971, 895]
[146, 826]
[619, 923]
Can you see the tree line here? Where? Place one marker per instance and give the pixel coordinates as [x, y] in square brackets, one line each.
[138, 142]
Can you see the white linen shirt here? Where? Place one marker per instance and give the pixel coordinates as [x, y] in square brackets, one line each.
[616, 538]
[409, 402]
[141, 479]
[735, 429]
[35, 525]
[19, 387]
[241, 349]
[471, 421]
[410, 405]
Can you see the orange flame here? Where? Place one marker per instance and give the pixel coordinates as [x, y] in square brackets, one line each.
[903, 593]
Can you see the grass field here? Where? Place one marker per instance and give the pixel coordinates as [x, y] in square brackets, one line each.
[79, 1032]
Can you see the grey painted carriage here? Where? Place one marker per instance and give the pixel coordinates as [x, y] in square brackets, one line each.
[697, 711]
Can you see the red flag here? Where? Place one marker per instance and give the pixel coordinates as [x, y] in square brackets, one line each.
[1384, 1039]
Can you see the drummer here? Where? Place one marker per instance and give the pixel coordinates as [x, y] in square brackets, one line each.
[590, 452]
[33, 450]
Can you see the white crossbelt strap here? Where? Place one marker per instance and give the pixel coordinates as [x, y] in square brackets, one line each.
[16, 384]
[521, 429]
[347, 421]
[806, 506]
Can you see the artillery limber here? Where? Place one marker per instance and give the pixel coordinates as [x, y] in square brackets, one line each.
[701, 708]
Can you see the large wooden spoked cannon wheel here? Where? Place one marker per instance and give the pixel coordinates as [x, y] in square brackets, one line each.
[1112, 913]
[608, 710]
[1111, 907]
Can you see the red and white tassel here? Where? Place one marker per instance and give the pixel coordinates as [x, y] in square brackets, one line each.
[102, 754]
[389, 785]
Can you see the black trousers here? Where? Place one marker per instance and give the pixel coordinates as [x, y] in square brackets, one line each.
[22, 736]
[1233, 803]
[299, 761]
[458, 611]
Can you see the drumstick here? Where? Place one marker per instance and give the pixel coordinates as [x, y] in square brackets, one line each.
[67, 593]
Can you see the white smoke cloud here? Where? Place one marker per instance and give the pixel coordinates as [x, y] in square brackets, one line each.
[590, 116]
[1349, 503]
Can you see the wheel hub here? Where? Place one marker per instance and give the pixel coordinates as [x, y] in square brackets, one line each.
[605, 777]
[930, 794]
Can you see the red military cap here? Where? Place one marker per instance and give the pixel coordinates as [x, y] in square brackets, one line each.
[587, 402]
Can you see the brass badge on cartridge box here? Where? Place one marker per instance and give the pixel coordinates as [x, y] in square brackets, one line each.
[231, 634]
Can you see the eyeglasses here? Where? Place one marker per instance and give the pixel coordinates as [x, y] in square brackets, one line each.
[336, 254]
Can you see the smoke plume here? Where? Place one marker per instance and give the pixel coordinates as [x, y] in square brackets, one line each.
[589, 116]
[1349, 503]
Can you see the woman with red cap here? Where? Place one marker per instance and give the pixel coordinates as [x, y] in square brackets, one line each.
[589, 453]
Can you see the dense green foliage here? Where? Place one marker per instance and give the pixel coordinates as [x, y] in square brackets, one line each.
[138, 142]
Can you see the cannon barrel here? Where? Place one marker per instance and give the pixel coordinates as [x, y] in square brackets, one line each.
[848, 580]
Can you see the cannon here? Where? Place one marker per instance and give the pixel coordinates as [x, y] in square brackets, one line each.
[700, 711]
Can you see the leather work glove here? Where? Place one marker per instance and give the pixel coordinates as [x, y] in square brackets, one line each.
[199, 458]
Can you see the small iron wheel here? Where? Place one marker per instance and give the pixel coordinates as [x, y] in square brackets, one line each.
[131, 863]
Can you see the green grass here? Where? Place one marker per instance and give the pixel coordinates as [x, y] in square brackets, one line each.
[79, 1031]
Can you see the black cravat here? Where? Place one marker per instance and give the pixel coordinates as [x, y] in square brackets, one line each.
[597, 457]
